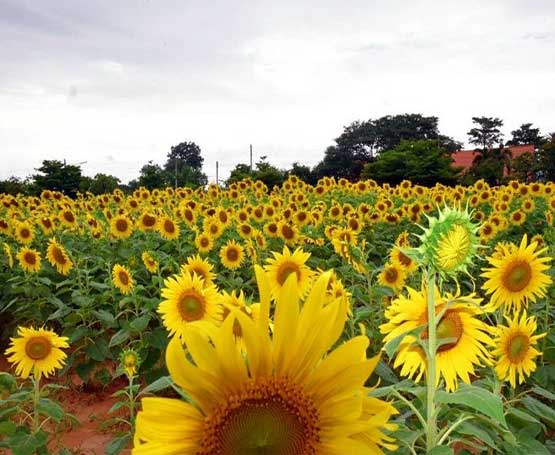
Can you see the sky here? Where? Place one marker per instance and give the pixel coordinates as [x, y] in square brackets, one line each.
[111, 85]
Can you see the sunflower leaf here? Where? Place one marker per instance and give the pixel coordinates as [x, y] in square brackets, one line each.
[479, 399]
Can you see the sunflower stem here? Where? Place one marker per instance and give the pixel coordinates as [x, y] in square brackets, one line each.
[36, 398]
[431, 416]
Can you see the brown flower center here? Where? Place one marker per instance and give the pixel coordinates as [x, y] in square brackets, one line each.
[121, 225]
[30, 258]
[517, 276]
[517, 347]
[38, 348]
[123, 277]
[232, 254]
[286, 269]
[191, 306]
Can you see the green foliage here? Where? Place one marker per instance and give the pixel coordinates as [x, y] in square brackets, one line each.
[99, 184]
[58, 176]
[525, 135]
[486, 133]
[422, 162]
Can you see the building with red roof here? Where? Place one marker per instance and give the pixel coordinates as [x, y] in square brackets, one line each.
[464, 158]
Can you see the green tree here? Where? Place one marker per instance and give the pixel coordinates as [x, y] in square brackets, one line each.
[486, 133]
[490, 164]
[100, 184]
[240, 172]
[269, 174]
[58, 176]
[524, 168]
[525, 135]
[339, 162]
[184, 165]
[423, 162]
[14, 186]
[151, 176]
[546, 159]
[303, 172]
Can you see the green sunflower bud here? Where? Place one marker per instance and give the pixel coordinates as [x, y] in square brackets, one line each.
[129, 361]
[450, 242]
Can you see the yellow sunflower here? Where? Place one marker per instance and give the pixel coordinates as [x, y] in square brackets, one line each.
[129, 361]
[149, 262]
[400, 260]
[147, 221]
[204, 242]
[232, 255]
[393, 276]
[515, 349]
[189, 304]
[516, 276]
[279, 394]
[24, 232]
[168, 228]
[58, 257]
[282, 265]
[122, 279]
[9, 255]
[29, 259]
[200, 267]
[36, 351]
[121, 227]
[457, 358]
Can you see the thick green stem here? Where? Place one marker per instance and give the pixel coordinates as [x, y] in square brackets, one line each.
[131, 403]
[431, 415]
[36, 398]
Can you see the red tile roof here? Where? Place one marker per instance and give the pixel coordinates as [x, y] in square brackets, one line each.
[464, 158]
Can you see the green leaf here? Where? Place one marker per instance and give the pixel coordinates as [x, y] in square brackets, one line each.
[119, 337]
[158, 338]
[7, 428]
[99, 350]
[51, 409]
[98, 286]
[141, 323]
[543, 393]
[105, 316]
[160, 384]
[540, 410]
[441, 450]
[23, 443]
[117, 445]
[392, 346]
[479, 399]
[77, 334]
[469, 429]
[117, 405]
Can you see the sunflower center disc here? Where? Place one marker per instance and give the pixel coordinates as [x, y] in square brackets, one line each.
[121, 225]
[123, 278]
[517, 277]
[38, 348]
[191, 308]
[285, 270]
[450, 327]
[269, 417]
[232, 254]
[518, 347]
[30, 258]
[58, 256]
[169, 227]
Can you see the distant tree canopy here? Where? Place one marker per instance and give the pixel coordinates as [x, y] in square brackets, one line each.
[486, 133]
[361, 142]
[58, 176]
[184, 163]
[264, 171]
[422, 161]
[99, 184]
[525, 135]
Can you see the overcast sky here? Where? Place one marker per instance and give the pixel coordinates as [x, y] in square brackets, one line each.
[117, 83]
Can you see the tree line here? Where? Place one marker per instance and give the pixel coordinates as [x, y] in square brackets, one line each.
[388, 149]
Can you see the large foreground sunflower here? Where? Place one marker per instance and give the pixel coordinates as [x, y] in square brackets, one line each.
[515, 349]
[516, 276]
[36, 351]
[279, 394]
[454, 359]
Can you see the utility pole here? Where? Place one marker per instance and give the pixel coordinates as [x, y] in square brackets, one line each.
[251, 156]
[217, 180]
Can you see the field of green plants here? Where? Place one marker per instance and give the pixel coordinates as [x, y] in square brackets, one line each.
[328, 319]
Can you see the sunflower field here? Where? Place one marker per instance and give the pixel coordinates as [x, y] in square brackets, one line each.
[340, 318]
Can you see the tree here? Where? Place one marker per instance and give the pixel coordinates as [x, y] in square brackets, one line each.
[487, 133]
[524, 167]
[151, 176]
[339, 162]
[58, 176]
[490, 164]
[14, 186]
[303, 172]
[240, 172]
[99, 184]
[270, 175]
[525, 135]
[184, 164]
[423, 162]
[546, 160]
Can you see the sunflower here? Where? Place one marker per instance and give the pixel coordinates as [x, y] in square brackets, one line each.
[516, 276]
[149, 262]
[36, 351]
[232, 255]
[189, 304]
[280, 394]
[288, 233]
[518, 217]
[58, 257]
[515, 349]
[457, 358]
[167, 228]
[282, 265]
[5, 227]
[200, 267]
[147, 221]
[129, 361]
[29, 259]
[402, 261]
[393, 276]
[121, 227]
[24, 232]
[204, 242]
[122, 279]
[9, 255]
